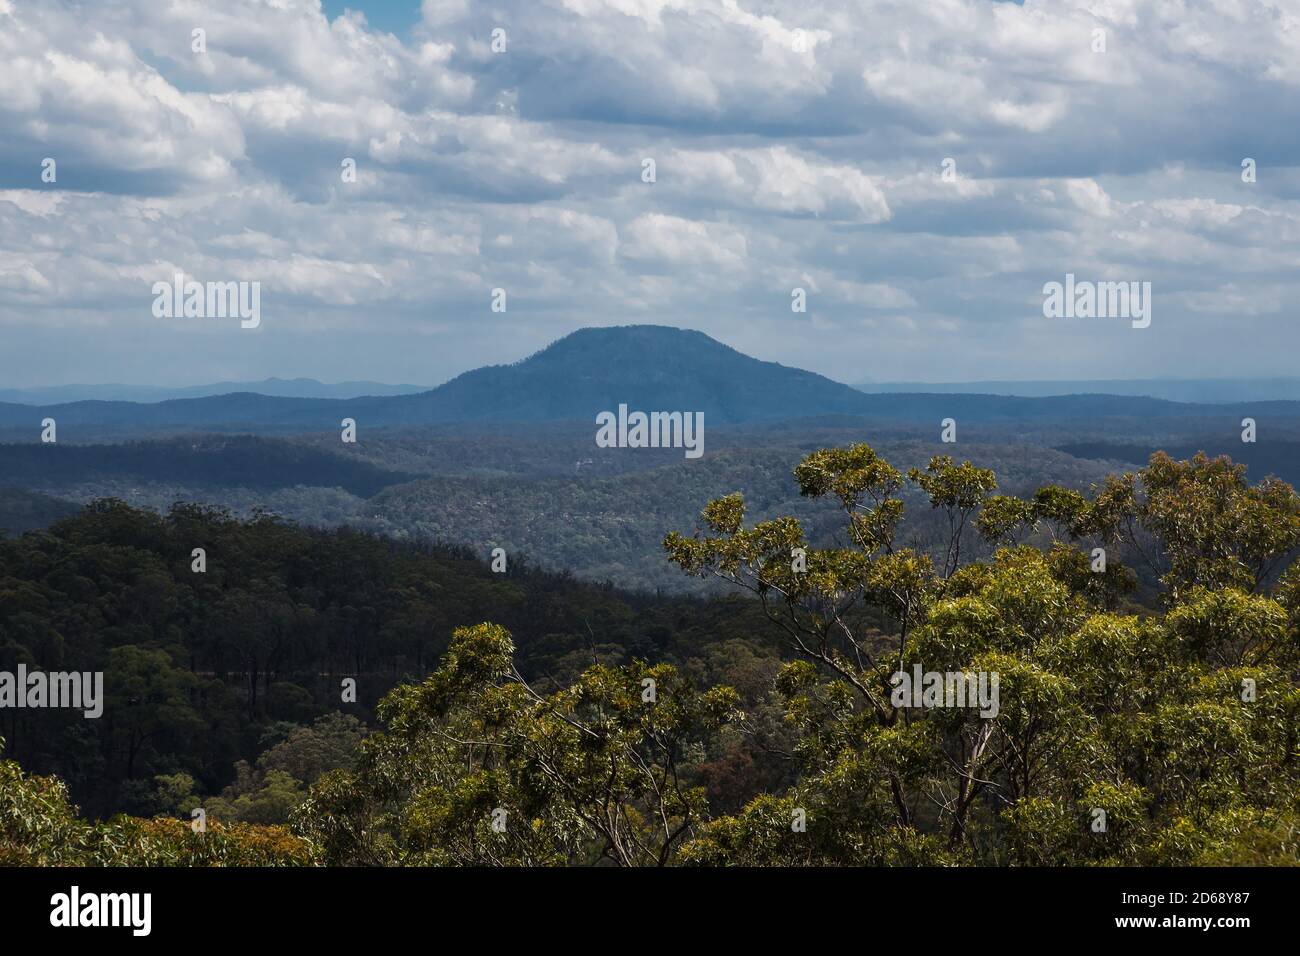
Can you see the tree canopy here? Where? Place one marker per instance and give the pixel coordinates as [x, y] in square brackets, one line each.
[1103, 726]
[1122, 735]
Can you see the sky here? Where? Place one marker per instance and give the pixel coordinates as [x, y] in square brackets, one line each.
[921, 170]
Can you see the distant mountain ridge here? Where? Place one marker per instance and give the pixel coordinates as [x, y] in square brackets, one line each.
[647, 367]
[210, 461]
[282, 387]
[1194, 390]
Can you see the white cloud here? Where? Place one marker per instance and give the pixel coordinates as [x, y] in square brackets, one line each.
[794, 141]
[683, 242]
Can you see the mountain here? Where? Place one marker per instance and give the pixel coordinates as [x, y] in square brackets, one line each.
[652, 368]
[646, 367]
[282, 387]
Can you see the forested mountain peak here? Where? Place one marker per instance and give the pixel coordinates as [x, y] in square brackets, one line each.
[646, 367]
[634, 343]
[650, 367]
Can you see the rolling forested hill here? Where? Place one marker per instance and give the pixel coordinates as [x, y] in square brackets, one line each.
[610, 527]
[1275, 456]
[506, 457]
[205, 460]
[28, 510]
[544, 494]
[206, 669]
[250, 683]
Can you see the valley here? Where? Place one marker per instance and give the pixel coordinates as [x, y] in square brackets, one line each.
[524, 471]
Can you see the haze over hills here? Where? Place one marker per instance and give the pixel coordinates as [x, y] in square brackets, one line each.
[1196, 390]
[646, 367]
[283, 387]
[505, 455]
[591, 370]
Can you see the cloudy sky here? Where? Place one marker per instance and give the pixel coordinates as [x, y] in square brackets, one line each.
[796, 144]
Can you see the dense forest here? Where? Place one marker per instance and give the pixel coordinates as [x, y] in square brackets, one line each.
[527, 718]
[212, 676]
[244, 461]
[546, 494]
